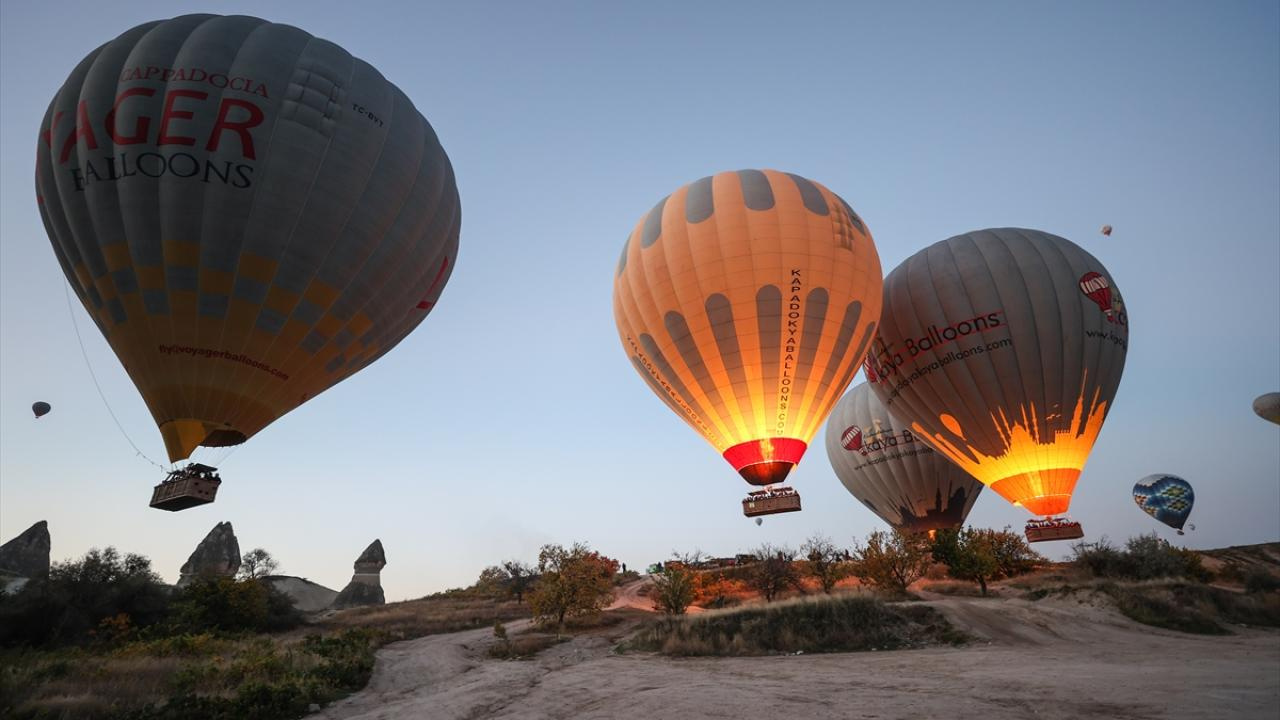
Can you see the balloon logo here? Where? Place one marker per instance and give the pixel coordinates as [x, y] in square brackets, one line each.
[851, 439]
[746, 301]
[249, 214]
[1095, 286]
[990, 353]
[1167, 498]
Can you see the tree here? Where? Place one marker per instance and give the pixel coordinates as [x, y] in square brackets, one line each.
[520, 578]
[676, 587]
[1012, 553]
[892, 561]
[825, 561]
[975, 557]
[775, 571]
[573, 581]
[257, 563]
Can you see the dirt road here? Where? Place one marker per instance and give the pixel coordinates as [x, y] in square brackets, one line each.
[1055, 659]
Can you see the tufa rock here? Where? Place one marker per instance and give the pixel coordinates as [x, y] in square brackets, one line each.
[365, 587]
[218, 555]
[28, 554]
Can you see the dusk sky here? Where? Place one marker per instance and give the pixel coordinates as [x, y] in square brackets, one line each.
[512, 417]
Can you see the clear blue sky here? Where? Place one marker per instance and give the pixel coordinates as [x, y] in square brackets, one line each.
[512, 418]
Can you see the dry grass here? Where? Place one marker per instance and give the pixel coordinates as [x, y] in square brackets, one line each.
[427, 616]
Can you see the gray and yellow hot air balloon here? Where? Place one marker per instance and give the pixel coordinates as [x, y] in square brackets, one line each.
[1267, 407]
[1003, 349]
[747, 300]
[248, 213]
[889, 470]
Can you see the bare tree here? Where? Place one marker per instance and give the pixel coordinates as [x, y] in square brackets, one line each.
[257, 563]
[520, 578]
[826, 562]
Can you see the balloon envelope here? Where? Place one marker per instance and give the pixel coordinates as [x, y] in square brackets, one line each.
[248, 213]
[888, 469]
[1167, 498]
[1003, 349]
[40, 408]
[1106, 230]
[1268, 407]
[746, 301]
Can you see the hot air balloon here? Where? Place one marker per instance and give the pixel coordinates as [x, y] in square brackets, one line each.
[759, 521]
[40, 409]
[1106, 230]
[888, 469]
[1003, 350]
[1167, 498]
[249, 214]
[746, 300]
[1268, 407]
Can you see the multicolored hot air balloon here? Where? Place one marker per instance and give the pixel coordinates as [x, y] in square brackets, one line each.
[893, 473]
[40, 409]
[746, 300]
[248, 213]
[1167, 498]
[1003, 349]
[1267, 407]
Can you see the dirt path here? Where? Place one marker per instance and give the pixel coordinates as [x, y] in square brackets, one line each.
[1053, 659]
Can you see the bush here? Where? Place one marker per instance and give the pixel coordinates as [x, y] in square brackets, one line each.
[1260, 581]
[841, 624]
[675, 589]
[574, 581]
[892, 561]
[79, 596]
[774, 572]
[825, 562]
[1145, 557]
[228, 605]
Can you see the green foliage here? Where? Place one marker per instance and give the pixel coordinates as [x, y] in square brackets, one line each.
[1260, 581]
[892, 561]
[982, 555]
[1145, 557]
[233, 606]
[573, 581]
[840, 624]
[975, 557]
[825, 562]
[79, 595]
[675, 589]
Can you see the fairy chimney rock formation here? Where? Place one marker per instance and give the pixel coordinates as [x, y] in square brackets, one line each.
[365, 587]
[218, 555]
[28, 554]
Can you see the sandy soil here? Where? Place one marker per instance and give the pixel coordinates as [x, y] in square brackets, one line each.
[1065, 659]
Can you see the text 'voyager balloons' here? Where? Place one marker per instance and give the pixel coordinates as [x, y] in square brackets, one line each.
[1004, 349]
[747, 301]
[1167, 498]
[249, 214]
[891, 471]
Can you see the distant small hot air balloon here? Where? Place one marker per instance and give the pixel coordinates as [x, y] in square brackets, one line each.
[40, 409]
[1268, 407]
[1106, 230]
[1167, 498]
[759, 522]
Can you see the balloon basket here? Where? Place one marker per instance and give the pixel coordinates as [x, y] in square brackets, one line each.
[193, 485]
[1050, 529]
[771, 501]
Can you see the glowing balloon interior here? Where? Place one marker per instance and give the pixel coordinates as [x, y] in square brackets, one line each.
[746, 301]
[1003, 349]
[249, 214]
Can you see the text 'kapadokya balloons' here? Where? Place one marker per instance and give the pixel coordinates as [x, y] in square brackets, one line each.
[1267, 407]
[888, 469]
[40, 409]
[1167, 498]
[746, 301]
[248, 213]
[1003, 349]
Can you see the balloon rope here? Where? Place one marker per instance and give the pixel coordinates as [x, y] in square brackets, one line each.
[83, 353]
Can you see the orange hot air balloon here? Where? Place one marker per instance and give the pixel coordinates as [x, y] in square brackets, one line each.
[1003, 349]
[747, 301]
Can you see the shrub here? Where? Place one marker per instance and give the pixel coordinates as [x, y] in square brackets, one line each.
[574, 581]
[825, 562]
[774, 572]
[675, 589]
[1260, 581]
[1145, 557]
[232, 605]
[892, 561]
